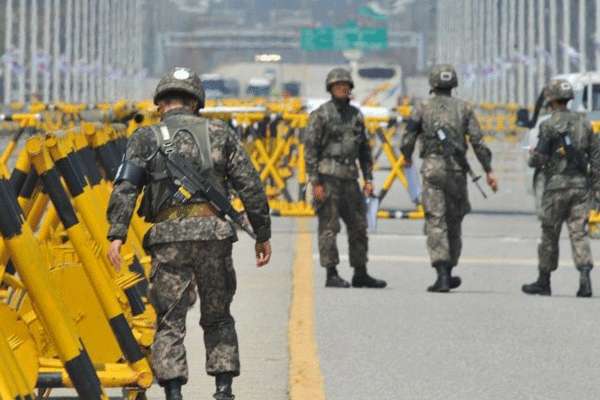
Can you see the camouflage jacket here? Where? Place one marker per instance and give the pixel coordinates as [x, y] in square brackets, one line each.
[334, 140]
[232, 168]
[568, 152]
[457, 119]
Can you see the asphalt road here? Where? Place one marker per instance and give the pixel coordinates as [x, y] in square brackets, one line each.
[485, 340]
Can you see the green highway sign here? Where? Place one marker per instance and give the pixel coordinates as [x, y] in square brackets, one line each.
[348, 37]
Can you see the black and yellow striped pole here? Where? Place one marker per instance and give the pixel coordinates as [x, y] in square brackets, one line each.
[79, 238]
[29, 262]
[94, 219]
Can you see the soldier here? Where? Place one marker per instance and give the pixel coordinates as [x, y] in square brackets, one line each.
[335, 139]
[190, 246]
[568, 153]
[443, 124]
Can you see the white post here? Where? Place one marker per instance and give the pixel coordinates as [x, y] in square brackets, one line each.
[85, 98]
[521, 47]
[582, 37]
[531, 53]
[76, 88]
[504, 52]
[68, 56]
[34, 48]
[8, 48]
[481, 55]
[566, 18]
[56, 81]
[21, 55]
[597, 41]
[93, 51]
[512, 32]
[495, 52]
[46, 52]
[541, 44]
[553, 38]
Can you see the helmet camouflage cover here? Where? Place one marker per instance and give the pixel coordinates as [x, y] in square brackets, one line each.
[443, 76]
[338, 75]
[558, 89]
[180, 79]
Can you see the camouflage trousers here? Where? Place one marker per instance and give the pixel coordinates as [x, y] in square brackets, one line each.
[344, 200]
[177, 269]
[558, 206]
[446, 202]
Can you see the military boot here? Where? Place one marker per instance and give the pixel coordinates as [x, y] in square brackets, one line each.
[541, 286]
[173, 390]
[362, 279]
[455, 281]
[334, 279]
[585, 282]
[223, 383]
[442, 283]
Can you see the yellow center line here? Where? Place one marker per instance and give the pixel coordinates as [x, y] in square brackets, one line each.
[305, 378]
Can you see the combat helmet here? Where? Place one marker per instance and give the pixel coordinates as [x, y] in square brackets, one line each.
[558, 89]
[443, 76]
[180, 79]
[338, 75]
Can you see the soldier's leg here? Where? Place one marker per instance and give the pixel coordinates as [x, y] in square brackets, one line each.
[353, 212]
[436, 229]
[548, 248]
[329, 227]
[580, 244]
[216, 281]
[457, 206]
[171, 280]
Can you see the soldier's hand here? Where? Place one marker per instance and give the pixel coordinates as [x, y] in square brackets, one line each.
[263, 253]
[492, 181]
[319, 192]
[368, 189]
[114, 253]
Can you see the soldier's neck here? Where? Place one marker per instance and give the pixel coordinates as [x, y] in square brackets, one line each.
[440, 92]
[340, 101]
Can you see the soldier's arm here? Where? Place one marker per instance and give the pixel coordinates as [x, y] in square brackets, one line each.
[482, 152]
[413, 129]
[365, 157]
[594, 157]
[128, 183]
[246, 182]
[541, 153]
[312, 140]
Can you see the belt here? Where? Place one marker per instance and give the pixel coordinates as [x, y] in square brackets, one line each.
[185, 211]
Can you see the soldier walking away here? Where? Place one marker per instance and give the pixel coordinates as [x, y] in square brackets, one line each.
[335, 140]
[190, 244]
[442, 125]
[568, 152]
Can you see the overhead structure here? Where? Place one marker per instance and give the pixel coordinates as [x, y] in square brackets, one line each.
[505, 50]
[84, 51]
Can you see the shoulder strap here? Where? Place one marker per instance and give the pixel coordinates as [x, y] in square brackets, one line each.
[199, 133]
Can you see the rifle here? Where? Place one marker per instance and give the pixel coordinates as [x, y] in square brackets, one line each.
[191, 182]
[574, 156]
[450, 150]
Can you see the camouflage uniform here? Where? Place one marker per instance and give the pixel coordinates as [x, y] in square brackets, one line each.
[194, 250]
[566, 195]
[445, 197]
[334, 140]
